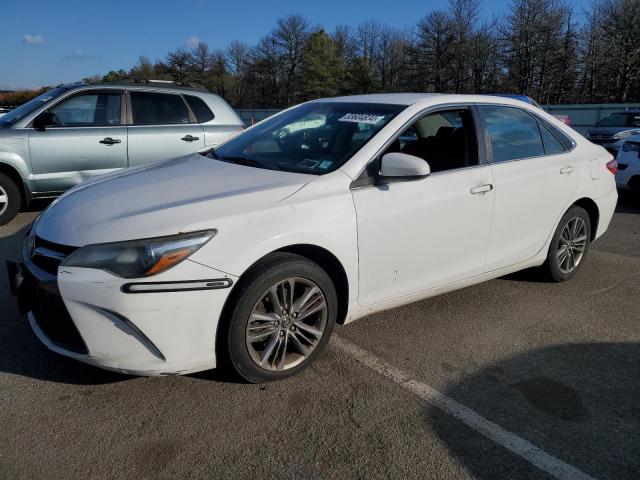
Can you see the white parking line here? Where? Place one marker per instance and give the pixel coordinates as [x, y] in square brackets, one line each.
[512, 442]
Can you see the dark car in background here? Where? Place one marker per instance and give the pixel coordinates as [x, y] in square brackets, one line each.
[612, 131]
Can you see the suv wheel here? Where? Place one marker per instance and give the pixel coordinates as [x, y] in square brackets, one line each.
[10, 199]
[280, 318]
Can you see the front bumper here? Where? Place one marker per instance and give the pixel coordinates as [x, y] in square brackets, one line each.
[87, 315]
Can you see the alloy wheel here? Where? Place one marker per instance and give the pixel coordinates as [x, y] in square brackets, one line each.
[286, 324]
[571, 245]
[4, 200]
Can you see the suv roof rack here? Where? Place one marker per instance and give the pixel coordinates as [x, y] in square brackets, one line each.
[163, 83]
[154, 83]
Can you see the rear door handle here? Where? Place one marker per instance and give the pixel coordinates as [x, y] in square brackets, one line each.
[189, 138]
[482, 189]
[566, 170]
[110, 141]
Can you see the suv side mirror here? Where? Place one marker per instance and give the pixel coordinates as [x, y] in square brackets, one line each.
[398, 164]
[44, 120]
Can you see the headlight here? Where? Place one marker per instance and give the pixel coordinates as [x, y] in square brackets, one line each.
[139, 258]
[631, 147]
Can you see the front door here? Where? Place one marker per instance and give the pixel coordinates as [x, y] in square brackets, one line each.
[418, 235]
[87, 139]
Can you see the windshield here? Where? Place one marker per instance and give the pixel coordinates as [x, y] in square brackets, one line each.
[620, 120]
[26, 108]
[314, 138]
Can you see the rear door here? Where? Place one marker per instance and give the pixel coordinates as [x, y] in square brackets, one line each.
[89, 139]
[162, 127]
[535, 177]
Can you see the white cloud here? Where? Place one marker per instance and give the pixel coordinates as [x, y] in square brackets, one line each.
[192, 42]
[77, 55]
[33, 40]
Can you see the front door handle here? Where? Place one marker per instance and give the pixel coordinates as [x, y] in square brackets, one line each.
[566, 170]
[110, 141]
[189, 138]
[482, 189]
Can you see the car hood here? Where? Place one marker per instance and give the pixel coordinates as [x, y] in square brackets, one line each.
[162, 199]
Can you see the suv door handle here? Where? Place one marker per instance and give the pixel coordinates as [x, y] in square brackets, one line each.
[190, 138]
[566, 170]
[110, 141]
[482, 189]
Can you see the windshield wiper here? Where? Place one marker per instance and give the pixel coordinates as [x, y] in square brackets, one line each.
[246, 161]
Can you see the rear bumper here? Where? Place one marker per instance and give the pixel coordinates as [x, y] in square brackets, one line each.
[86, 314]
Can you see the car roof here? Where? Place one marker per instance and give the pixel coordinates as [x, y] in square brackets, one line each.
[412, 98]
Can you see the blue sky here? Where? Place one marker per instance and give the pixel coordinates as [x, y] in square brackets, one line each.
[44, 43]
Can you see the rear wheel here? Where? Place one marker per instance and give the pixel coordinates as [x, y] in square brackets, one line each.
[569, 245]
[10, 199]
[280, 319]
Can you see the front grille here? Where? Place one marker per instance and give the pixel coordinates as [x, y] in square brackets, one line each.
[48, 255]
[54, 320]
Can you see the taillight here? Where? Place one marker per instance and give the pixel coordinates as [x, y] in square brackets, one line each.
[612, 166]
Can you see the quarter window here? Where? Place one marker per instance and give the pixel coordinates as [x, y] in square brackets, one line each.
[552, 145]
[89, 110]
[199, 108]
[158, 109]
[514, 133]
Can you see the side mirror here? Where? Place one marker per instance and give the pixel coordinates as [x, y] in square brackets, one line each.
[44, 120]
[398, 164]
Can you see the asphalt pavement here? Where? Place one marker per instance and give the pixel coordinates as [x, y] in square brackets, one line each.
[554, 365]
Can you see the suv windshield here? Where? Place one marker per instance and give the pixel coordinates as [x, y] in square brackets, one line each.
[26, 108]
[621, 119]
[314, 138]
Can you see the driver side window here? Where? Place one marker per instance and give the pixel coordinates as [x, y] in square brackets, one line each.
[445, 139]
[88, 110]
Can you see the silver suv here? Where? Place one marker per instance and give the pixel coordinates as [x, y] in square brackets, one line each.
[74, 132]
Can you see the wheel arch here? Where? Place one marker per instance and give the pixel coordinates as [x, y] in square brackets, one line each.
[594, 213]
[14, 175]
[326, 260]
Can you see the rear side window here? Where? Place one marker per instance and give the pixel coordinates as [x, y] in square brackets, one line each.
[88, 110]
[199, 108]
[552, 145]
[514, 133]
[158, 109]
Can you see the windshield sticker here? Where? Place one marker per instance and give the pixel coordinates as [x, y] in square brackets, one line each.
[306, 163]
[325, 164]
[361, 118]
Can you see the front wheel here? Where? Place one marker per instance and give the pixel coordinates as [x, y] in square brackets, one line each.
[569, 245]
[280, 318]
[10, 199]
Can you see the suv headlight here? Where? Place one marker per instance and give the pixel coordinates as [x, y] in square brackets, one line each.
[631, 146]
[139, 258]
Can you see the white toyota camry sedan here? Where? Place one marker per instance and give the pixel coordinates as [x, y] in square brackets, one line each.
[247, 256]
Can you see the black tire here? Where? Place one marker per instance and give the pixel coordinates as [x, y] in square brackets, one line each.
[232, 342]
[10, 209]
[551, 267]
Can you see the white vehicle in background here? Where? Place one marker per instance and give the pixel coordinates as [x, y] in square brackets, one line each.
[628, 175]
[247, 257]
